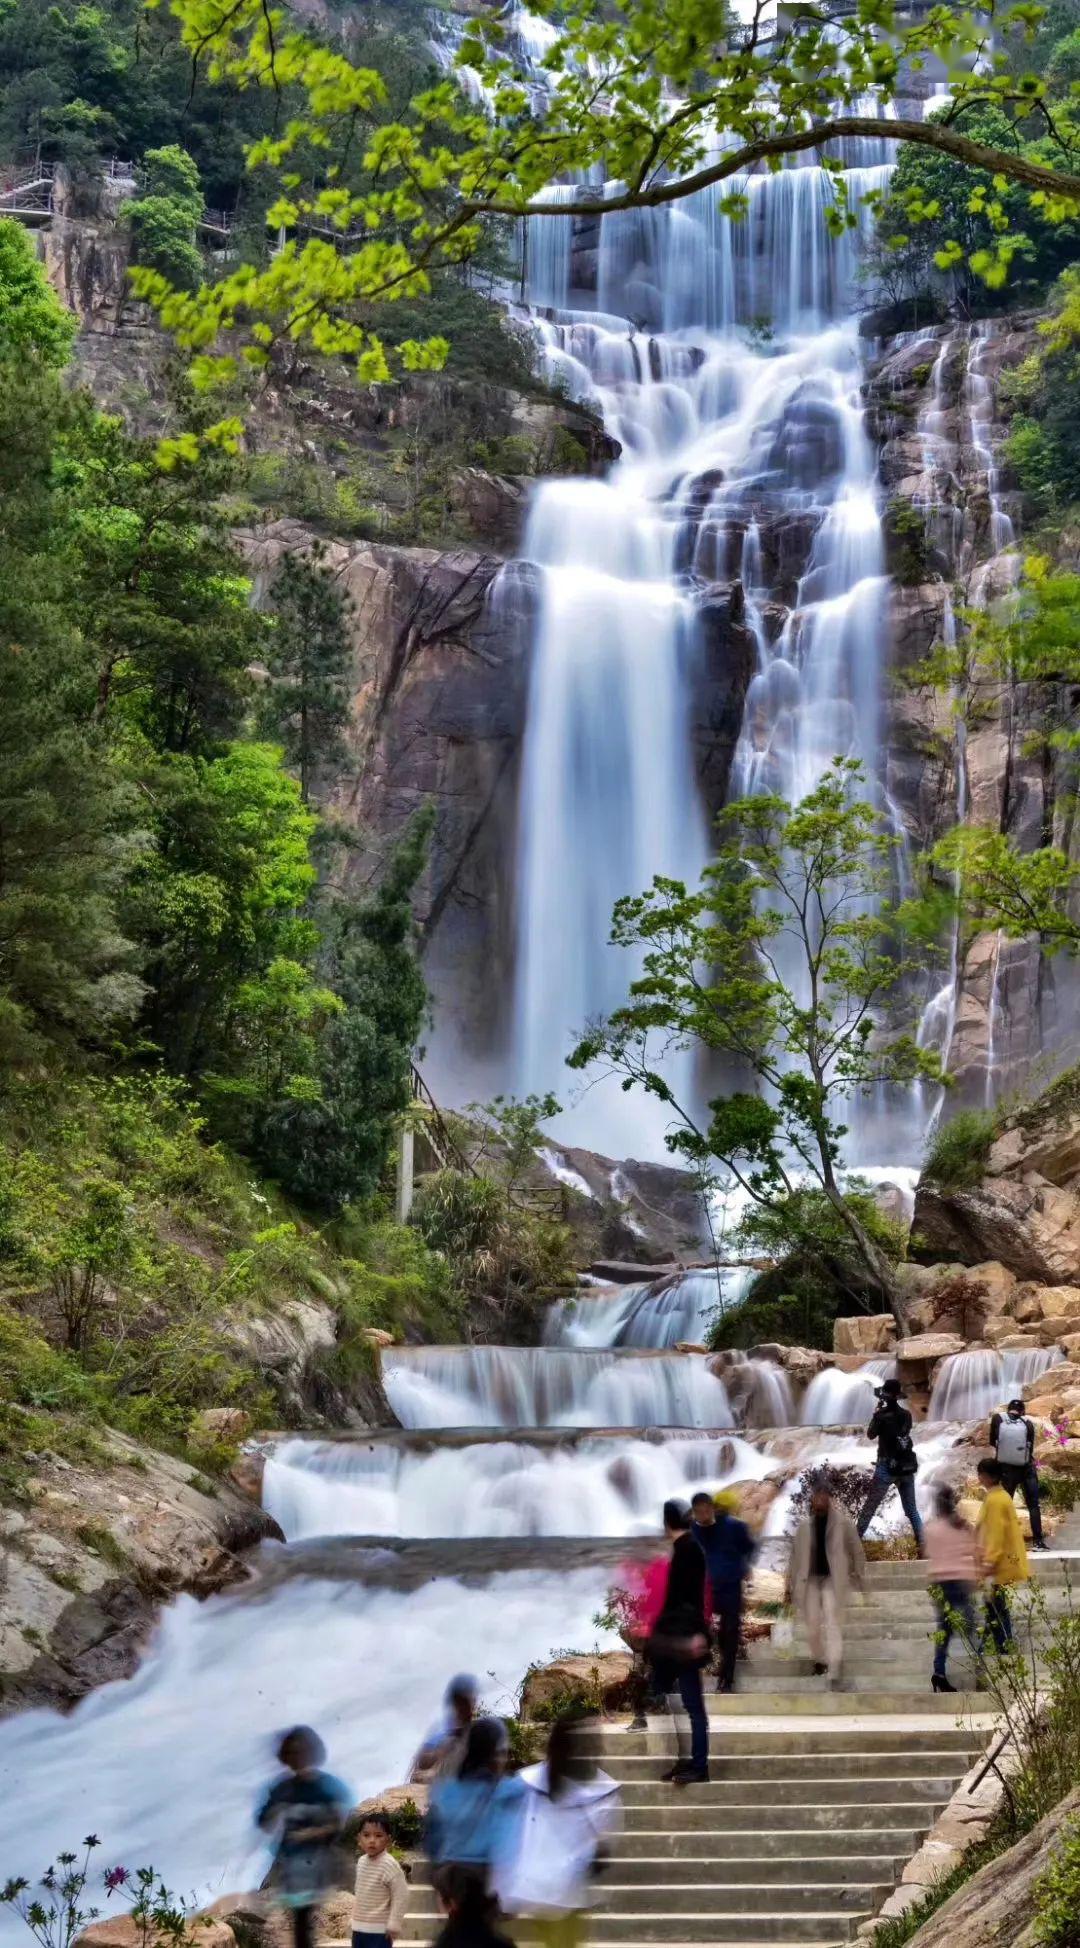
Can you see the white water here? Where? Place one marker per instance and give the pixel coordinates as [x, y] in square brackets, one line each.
[549, 1386]
[835, 1399]
[166, 1767]
[677, 1311]
[500, 1488]
[720, 434]
[971, 1385]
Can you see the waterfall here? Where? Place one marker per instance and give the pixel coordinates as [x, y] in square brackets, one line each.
[669, 1313]
[725, 359]
[971, 1385]
[836, 1399]
[550, 1386]
[594, 1487]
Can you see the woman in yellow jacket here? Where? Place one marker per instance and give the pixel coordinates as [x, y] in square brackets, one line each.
[1002, 1555]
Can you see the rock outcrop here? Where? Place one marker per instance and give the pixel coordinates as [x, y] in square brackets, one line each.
[98, 1543]
[996, 1908]
[1025, 1211]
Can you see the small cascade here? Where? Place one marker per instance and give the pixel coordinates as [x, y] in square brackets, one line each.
[971, 1385]
[673, 1312]
[937, 1022]
[978, 404]
[836, 1399]
[550, 1386]
[759, 1390]
[595, 1487]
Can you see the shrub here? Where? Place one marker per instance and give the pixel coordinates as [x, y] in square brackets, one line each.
[848, 1486]
[957, 1151]
[1057, 1893]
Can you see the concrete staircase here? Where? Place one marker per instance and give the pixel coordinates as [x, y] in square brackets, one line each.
[816, 1800]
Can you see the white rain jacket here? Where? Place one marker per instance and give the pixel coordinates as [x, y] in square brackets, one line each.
[550, 1870]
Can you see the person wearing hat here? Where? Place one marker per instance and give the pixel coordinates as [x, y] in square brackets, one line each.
[897, 1462]
[1012, 1438]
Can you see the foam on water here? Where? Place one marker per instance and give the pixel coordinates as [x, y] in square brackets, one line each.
[970, 1385]
[498, 1488]
[166, 1766]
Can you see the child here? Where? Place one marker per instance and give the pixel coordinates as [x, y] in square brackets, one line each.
[381, 1888]
[303, 1811]
[1002, 1554]
[469, 1911]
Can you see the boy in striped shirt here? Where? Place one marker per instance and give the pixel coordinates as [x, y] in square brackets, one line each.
[381, 1888]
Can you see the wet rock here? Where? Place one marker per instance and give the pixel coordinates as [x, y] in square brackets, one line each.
[925, 1349]
[720, 677]
[491, 505]
[754, 1499]
[1029, 1225]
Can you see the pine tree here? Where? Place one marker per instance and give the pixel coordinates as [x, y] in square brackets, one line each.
[306, 708]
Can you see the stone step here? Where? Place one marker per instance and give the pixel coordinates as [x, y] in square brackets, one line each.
[1048, 1569]
[864, 1659]
[641, 1898]
[720, 1927]
[689, 1810]
[807, 1865]
[822, 1789]
[827, 1738]
[790, 1700]
[883, 1681]
[773, 1766]
[829, 1847]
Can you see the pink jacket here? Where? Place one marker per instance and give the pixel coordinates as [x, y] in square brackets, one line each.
[950, 1553]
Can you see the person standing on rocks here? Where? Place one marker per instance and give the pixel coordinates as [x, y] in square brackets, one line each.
[679, 1646]
[954, 1577]
[1012, 1437]
[1002, 1555]
[303, 1812]
[827, 1563]
[897, 1463]
[729, 1551]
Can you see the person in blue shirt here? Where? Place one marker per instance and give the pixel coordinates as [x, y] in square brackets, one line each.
[728, 1547]
[303, 1812]
[473, 1815]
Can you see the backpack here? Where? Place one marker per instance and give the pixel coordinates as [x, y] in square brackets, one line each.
[1012, 1443]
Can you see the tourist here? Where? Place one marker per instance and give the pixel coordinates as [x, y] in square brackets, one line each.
[382, 1890]
[303, 1812]
[444, 1747]
[471, 1813]
[1012, 1438]
[729, 1550]
[897, 1462]
[469, 1911]
[827, 1562]
[641, 1592]
[571, 1810]
[679, 1645]
[1002, 1555]
[954, 1576]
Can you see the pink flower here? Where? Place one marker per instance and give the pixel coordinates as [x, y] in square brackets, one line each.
[116, 1877]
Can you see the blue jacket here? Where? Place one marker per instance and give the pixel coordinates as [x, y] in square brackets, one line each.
[728, 1548]
[473, 1820]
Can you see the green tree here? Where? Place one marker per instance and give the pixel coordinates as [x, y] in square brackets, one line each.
[334, 1150]
[164, 219]
[309, 656]
[776, 964]
[33, 322]
[650, 103]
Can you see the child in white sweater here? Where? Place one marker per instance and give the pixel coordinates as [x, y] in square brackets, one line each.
[382, 1890]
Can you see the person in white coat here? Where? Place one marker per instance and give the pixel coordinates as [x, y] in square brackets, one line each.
[569, 1812]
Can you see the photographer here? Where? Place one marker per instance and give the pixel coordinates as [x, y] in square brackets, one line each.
[897, 1462]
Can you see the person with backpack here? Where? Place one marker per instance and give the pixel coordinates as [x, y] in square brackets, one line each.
[897, 1463]
[1012, 1438]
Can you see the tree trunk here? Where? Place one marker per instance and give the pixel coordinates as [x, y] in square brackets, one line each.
[882, 1275]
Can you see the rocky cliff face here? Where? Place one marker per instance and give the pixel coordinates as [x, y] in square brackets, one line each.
[932, 406]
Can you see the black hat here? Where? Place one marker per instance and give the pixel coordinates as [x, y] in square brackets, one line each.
[1017, 1403]
[893, 1387]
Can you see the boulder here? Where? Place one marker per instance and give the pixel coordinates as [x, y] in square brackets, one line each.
[1026, 1223]
[996, 1907]
[865, 1333]
[375, 1336]
[1061, 1460]
[122, 1931]
[765, 1586]
[218, 1427]
[1026, 1304]
[927, 1348]
[755, 1498]
[394, 1799]
[597, 1680]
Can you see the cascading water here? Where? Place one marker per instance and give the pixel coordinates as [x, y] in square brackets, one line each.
[677, 1311]
[971, 1385]
[836, 1399]
[548, 1386]
[724, 359]
[505, 1488]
